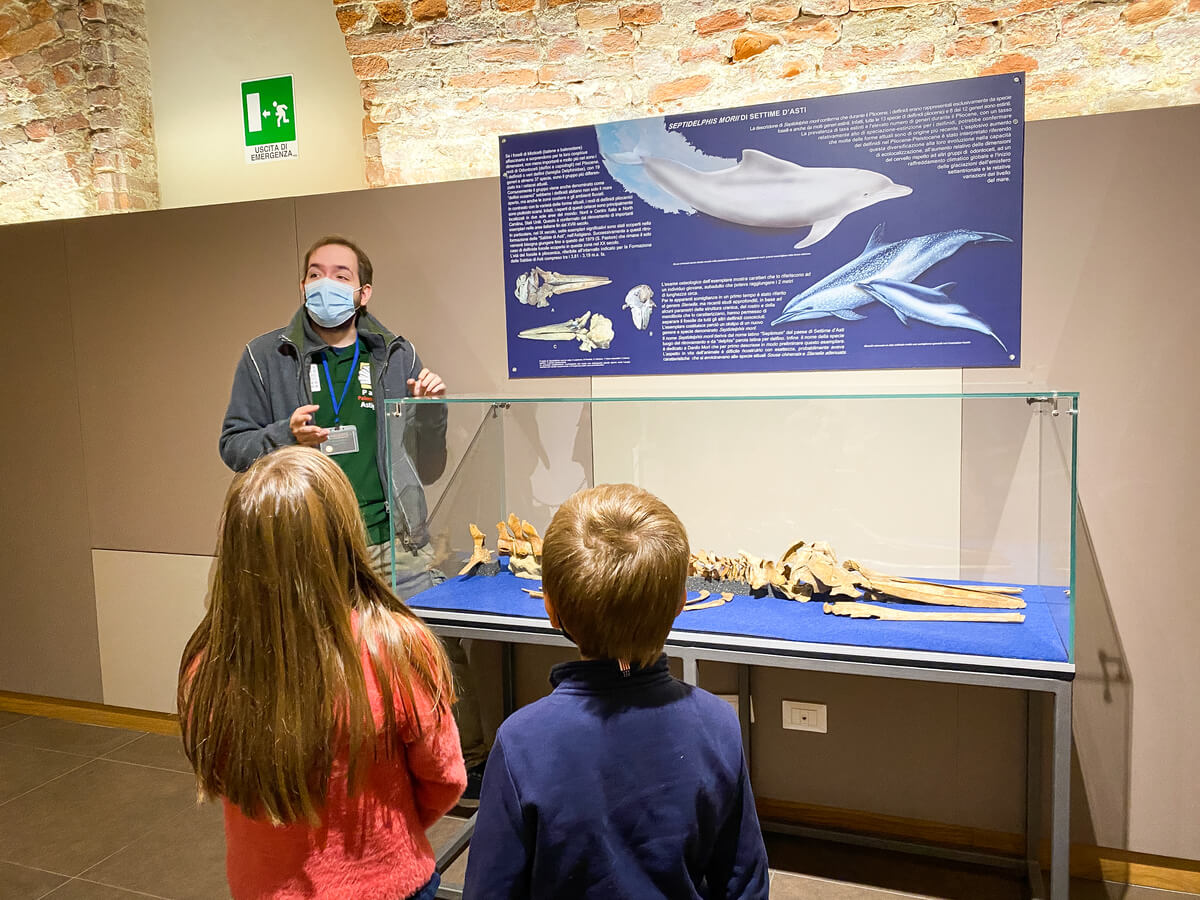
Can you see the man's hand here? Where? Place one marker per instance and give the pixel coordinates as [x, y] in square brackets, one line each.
[306, 434]
[426, 384]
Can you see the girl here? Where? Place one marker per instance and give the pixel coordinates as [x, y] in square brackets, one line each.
[313, 701]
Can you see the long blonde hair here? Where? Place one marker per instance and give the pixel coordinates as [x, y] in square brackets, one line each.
[271, 684]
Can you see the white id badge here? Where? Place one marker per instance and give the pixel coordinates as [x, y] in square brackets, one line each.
[342, 439]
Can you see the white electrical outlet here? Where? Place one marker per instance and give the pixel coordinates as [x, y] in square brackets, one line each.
[732, 700]
[799, 716]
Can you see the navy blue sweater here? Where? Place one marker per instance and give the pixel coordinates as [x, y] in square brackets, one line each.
[618, 786]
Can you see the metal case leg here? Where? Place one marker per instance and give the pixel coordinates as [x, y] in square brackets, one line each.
[1060, 797]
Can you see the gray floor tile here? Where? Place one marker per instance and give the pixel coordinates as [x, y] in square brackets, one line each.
[786, 886]
[8, 718]
[158, 750]
[22, 883]
[86, 890]
[183, 860]
[24, 768]
[457, 872]
[443, 830]
[68, 737]
[77, 820]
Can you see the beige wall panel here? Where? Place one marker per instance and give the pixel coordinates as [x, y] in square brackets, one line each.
[1110, 310]
[47, 613]
[879, 754]
[147, 606]
[162, 305]
[199, 55]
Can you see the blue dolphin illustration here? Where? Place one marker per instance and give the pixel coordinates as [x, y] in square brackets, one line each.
[840, 293]
[915, 301]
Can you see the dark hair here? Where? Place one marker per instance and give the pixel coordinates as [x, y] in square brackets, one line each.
[614, 567]
[366, 271]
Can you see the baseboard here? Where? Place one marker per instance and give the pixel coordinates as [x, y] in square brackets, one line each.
[1094, 863]
[959, 837]
[89, 713]
[1168, 873]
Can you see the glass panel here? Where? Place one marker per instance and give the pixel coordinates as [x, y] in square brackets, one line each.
[946, 487]
[860, 395]
[1056, 526]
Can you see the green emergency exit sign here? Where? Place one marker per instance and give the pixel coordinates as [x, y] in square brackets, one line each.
[269, 119]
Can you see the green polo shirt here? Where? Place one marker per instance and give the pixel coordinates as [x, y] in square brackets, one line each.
[358, 409]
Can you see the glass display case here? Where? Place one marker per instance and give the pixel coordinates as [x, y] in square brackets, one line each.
[948, 520]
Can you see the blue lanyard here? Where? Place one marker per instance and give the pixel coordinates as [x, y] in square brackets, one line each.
[338, 401]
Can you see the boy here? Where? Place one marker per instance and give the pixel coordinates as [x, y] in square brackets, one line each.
[623, 783]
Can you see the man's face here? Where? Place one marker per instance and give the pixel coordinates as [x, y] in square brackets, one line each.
[338, 263]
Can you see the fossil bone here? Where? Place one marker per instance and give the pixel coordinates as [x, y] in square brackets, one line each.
[807, 569]
[933, 593]
[537, 286]
[871, 611]
[598, 332]
[480, 554]
[521, 543]
[720, 601]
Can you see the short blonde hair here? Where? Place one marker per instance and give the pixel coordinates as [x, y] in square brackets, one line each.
[614, 567]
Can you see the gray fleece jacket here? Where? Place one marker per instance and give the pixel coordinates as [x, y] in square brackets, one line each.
[271, 382]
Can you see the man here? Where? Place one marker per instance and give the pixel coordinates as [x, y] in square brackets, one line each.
[321, 382]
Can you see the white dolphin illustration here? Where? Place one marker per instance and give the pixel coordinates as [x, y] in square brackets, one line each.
[767, 192]
[926, 304]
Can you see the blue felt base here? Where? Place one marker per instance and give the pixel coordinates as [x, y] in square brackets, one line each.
[1039, 637]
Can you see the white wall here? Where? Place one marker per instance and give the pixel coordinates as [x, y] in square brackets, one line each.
[199, 55]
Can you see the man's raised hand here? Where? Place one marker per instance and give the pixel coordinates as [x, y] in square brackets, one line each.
[303, 430]
[426, 384]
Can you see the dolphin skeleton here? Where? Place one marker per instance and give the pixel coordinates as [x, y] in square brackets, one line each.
[915, 301]
[764, 191]
[841, 293]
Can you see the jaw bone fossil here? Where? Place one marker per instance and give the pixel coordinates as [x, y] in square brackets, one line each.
[871, 611]
[640, 303]
[537, 286]
[599, 333]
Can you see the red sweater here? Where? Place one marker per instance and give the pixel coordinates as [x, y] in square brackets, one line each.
[372, 845]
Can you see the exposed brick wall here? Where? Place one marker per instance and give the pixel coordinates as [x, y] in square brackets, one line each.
[441, 78]
[76, 133]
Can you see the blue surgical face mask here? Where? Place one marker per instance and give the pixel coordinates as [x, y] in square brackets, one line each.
[329, 302]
